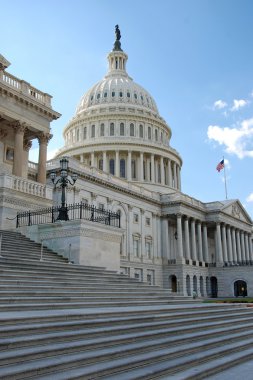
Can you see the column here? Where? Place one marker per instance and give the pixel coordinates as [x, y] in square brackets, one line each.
[247, 246]
[238, 245]
[200, 250]
[224, 243]
[43, 141]
[152, 168]
[243, 248]
[130, 235]
[165, 239]
[117, 173]
[233, 244]
[178, 178]
[229, 246]
[154, 235]
[218, 244]
[142, 242]
[205, 243]
[193, 241]
[250, 248]
[175, 174]
[141, 166]
[169, 173]
[179, 236]
[81, 158]
[92, 159]
[159, 236]
[19, 131]
[129, 166]
[187, 239]
[162, 170]
[104, 162]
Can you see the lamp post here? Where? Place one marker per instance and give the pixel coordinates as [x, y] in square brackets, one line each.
[63, 180]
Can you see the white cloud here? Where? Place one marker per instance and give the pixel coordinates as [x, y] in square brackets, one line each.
[238, 141]
[250, 198]
[238, 103]
[219, 104]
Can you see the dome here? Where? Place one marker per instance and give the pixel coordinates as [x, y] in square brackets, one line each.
[117, 88]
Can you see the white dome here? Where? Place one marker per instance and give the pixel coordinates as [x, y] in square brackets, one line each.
[117, 88]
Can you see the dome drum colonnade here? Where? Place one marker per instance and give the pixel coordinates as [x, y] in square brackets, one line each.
[233, 246]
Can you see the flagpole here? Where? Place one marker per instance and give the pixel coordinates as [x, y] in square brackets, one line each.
[225, 179]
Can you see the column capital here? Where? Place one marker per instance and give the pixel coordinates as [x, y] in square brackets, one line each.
[44, 138]
[27, 145]
[19, 127]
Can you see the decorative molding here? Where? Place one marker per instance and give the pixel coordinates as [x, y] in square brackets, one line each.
[83, 232]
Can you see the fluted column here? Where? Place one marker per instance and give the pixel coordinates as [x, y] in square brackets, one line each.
[218, 244]
[129, 166]
[233, 244]
[243, 250]
[200, 249]
[19, 131]
[162, 170]
[169, 173]
[238, 246]
[193, 241]
[117, 172]
[224, 243]
[152, 168]
[187, 239]
[205, 243]
[165, 239]
[141, 166]
[105, 161]
[43, 141]
[179, 236]
[229, 246]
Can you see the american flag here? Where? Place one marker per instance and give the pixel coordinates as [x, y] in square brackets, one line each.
[220, 165]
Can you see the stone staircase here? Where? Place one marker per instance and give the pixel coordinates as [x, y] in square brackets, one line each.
[61, 321]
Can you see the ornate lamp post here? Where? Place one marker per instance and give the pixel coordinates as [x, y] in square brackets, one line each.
[63, 180]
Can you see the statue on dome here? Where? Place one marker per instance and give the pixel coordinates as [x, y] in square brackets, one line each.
[117, 44]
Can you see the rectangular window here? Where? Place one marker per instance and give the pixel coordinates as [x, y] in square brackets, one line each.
[101, 206]
[93, 131]
[148, 249]
[148, 222]
[149, 133]
[136, 247]
[136, 218]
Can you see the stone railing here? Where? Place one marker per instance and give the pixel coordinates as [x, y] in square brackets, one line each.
[75, 165]
[182, 198]
[25, 88]
[25, 186]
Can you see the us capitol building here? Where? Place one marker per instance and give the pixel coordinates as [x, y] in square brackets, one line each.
[119, 146]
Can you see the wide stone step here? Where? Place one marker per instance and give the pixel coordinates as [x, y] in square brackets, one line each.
[117, 361]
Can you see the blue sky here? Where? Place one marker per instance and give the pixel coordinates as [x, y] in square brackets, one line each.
[195, 57]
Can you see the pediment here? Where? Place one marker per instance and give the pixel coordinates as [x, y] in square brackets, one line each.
[235, 209]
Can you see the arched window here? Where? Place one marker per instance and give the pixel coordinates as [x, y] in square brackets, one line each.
[112, 129]
[84, 133]
[122, 168]
[105, 95]
[133, 164]
[201, 286]
[102, 129]
[140, 130]
[112, 166]
[122, 129]
[159, 173]
[195, 284]
[131, 129]
[156, 135]
[93, 130]
[149, 133]
[240, 288]
[77, 134]
[188, 285]
[121, 94]
[100, 164]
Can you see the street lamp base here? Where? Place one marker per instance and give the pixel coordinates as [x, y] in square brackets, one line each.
[63, 214]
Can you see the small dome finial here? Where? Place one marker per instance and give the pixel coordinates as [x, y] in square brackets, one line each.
[117, 43]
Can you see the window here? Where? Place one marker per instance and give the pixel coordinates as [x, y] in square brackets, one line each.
[77, 135]
[113, 94]
[140, 130]
[156, 135]
[131, 129]
[105, 95]
[161, 137]
[112, 166]
[93, 130]
[151, 276]
[136, 246]
[112, 129]
[148, 249]
[136, 218]
[128, 94]
[159, 173]
[121, 94]
[92, 97]
[102, 129]
[100, 164]
[98, 96]
[135, 96]
[9, 155]
[101, 206]
[122, 168]
[149, 133]
[133, 164]
[148, 222]
[84, 133]
[122, 129]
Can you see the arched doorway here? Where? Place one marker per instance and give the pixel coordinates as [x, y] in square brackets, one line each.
[214, 287]
[201, 286]
[240, 288]
[195, 284]
[188, 285]
[173, 283]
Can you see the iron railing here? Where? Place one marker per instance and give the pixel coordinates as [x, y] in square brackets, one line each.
[75, 211]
